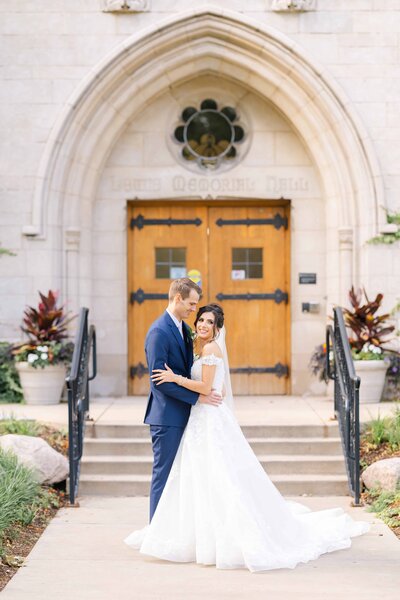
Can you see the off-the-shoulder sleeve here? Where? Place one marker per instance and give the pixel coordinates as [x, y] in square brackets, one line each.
[211, 359]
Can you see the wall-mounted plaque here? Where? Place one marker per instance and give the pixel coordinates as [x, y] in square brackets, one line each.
[307, 278]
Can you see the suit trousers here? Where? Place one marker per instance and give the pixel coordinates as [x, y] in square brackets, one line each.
[165, 441]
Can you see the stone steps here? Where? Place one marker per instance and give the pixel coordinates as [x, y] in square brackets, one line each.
[138, 485]
[260, 445]
[300, 459]
[280, 431]
[273, 464]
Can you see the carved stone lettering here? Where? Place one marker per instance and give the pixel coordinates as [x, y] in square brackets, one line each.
[286, 184]
[213, 184]
[126, 184]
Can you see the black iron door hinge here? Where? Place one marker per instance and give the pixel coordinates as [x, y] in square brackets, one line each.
[139, 222]
[278, 221]
[279, 370]
[140, 296]
[138, 370]
[278, 296]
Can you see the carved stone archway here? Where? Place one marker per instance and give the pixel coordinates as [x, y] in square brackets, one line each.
[204, 41]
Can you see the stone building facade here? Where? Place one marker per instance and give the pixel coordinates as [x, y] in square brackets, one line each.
[91, 95]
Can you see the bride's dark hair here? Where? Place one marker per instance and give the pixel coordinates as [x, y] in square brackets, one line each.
[216, 310]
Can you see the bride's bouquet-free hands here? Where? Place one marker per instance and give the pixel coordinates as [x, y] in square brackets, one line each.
[168, 376]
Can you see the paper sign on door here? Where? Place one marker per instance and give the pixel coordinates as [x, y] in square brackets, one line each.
[238, 274]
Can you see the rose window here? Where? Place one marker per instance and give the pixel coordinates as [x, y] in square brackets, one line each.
[209, 136]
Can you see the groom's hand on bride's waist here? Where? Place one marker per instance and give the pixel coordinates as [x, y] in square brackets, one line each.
[213, 398]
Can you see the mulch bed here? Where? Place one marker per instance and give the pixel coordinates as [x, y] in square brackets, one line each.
[55, 438]
[369, 453]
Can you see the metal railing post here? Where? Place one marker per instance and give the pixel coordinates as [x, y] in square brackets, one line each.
[346, 399]
[79, 396]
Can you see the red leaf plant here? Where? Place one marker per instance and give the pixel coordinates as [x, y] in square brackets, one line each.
[47, 323]
[363, 322]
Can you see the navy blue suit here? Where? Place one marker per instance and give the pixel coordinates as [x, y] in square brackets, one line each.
[169, 404]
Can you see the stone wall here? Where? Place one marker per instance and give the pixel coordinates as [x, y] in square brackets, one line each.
[49, 48]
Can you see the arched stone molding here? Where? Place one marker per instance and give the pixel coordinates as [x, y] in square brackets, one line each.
[208, 40]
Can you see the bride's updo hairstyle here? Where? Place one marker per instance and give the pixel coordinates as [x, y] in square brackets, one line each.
[218, 313]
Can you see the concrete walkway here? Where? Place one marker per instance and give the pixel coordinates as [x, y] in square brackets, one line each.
[81, 555]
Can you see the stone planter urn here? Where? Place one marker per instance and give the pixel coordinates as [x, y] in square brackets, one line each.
[372, 374]
[41, 385]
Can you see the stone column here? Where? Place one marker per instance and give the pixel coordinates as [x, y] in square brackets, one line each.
[71, 286]
[345, 263]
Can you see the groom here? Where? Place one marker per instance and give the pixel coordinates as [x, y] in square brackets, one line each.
[168, 341]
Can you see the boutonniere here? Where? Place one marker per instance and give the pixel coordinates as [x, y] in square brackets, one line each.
[192, 334]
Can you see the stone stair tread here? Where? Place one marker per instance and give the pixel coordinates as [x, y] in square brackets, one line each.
[327, 440]
[116, 458]
[118, 477]
[299, 457]
[261, 457]
[274, 478]
[115, 440]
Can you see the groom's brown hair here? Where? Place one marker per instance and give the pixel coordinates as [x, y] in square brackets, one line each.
[183, 286]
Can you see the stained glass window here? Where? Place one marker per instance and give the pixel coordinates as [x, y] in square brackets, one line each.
[209, 135]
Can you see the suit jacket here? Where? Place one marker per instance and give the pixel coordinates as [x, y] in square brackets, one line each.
[169, 403]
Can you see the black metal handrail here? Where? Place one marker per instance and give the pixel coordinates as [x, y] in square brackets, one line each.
[346, 398]
[78, 396]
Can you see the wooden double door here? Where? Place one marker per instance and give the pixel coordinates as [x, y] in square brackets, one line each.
[239, 254]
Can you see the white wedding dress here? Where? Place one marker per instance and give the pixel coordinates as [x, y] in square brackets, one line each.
[219, 507]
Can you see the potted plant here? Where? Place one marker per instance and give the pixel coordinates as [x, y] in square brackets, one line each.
[369, 333]
[41, 361]
[317, 366]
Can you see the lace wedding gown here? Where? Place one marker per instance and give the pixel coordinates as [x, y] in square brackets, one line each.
[219, 507]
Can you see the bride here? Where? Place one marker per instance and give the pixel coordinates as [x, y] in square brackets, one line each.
[219, 507]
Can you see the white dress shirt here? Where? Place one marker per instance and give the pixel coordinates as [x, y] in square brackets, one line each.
[176, 321]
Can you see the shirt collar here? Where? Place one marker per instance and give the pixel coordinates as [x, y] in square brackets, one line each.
[175, 320]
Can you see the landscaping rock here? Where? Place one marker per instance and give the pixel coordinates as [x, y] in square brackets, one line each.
[384, 474]
[50, 465]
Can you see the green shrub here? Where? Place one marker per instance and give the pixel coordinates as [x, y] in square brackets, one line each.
[18, 426]
[384, 430]
[386, 505]
[10, 388]
[18, 490]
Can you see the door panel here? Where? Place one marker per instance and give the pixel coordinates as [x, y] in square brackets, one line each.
[256, 327]
[153, 237]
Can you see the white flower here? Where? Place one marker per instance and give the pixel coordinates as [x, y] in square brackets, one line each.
[377, 350]
[44, 356]
[43, 348]
[32, 358]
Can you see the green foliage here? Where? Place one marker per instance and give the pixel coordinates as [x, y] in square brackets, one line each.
[388, 238]
[18, 426]
[384, 430]
[18, 491]
[386, 505]
[10, 388]
[385, 238]
[6, 252]
[45, 354]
